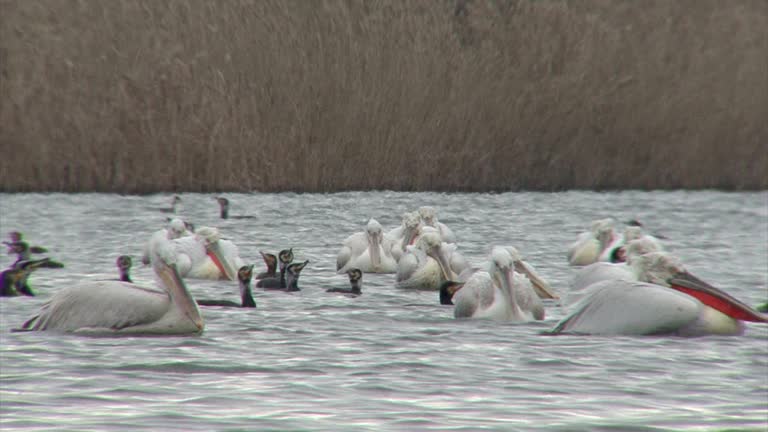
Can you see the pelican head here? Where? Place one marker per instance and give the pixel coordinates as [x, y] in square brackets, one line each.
[411, 225]
[210, 237]
[542, 288]
[428, 215]
[605, 235]
[661, 268]
[431, 243]
[375, 237]
[639, 247]
[164, 263]
[176, 228]
[286, 257]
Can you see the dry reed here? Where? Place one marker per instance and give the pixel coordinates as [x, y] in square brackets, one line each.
[139, 96]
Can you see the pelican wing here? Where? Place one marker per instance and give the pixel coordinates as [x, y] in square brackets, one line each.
[102, 305]
[594, 273]
[616, 307]
[526, 297]
[477, 295]
[409, 263]
[343, 258]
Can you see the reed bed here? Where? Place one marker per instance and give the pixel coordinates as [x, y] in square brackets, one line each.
[140, 96]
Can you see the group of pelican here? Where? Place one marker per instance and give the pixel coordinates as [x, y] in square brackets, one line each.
[625, 284]
[630, 285]
[424, 255]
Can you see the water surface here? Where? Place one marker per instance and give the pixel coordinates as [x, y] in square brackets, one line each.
[390, 359]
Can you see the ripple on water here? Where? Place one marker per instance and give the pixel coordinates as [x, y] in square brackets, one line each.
[390, 359]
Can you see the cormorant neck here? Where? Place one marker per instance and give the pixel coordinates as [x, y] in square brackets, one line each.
[125, 277]
[357, 287]
[247, 295]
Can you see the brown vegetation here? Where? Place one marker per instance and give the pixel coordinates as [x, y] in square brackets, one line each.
[311, 95]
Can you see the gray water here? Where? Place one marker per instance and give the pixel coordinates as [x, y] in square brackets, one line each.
[389, 359]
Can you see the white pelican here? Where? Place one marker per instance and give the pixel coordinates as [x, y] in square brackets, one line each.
[176, 228]
[601, 271]
[356, 282]
[119, 308]
[616, 252]
[429, 218]
[206, 255]
[404, 235]
[499, 292]
[367, 250]
[590, 244]
[424, 265]
[666, 300]
[246, 294]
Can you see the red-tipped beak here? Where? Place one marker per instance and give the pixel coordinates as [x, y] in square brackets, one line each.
[716, 298]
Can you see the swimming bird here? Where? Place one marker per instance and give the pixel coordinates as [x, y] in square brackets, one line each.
[246, 294]
[367, 250]
[292, 273]
[429, 218]
[589, 245]
[118, 308]
[356, 282]
[665, 300]
[175, 205]
[616, 251]
[205, 255]
[124, 264]
[498, 292]
[270, 260]
[22, 249]
[224, 210]
[14, 280]
[424, 265]
[285, 257]
[601, 271]
[176, 228]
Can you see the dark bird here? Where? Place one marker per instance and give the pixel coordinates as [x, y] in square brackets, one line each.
[447, 290]
[271, 261]
[278, 281]
[246, 295]
[175, 205]
[224, 210]
[292, 273]
[356, 282]
[14, 281]
[124, 264]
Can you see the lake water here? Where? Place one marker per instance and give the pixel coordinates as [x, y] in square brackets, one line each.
[389, 360]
